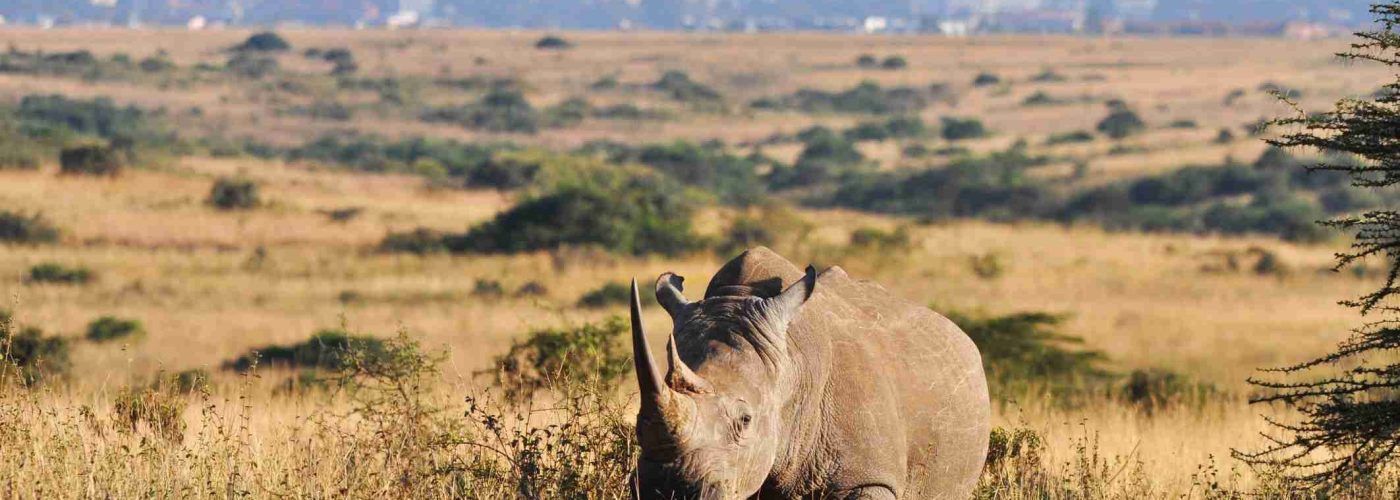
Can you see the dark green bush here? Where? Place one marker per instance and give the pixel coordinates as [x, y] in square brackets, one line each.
[112, 328]
[680, 87]
[553, 42]
[956, 129]
[866, 98]
[490, 289]
[500, 110]
[16, 227]
[869, 238]
[612, 293]
[640, 215]
[250, 65]
[1069, 138]
[734, 180]
[1120, 123]
[266, 41]
[233, 193]
[1041, 98]
[55, 273]
[1225, 136]
[1048, 75]
[867, 61]
[29, 357]
[419, 241]
[1026, 352]
[327, 349]
[825, 157]
[553, 358]
[905, 127]
[98, 116]
[90, 159]
[894, 63]
[1183, 123]
[986, 79]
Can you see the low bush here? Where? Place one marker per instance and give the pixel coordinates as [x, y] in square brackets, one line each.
[1077, 136]
[419, 241]
[547, 359]
[29, 357]
[17, 227]
[1048, 75]
[867, 61]
[986, 80]
[55, 273]
[266, 41]
[109, 328]
[1025, 352]
[680, 87]
[488, 289]
[879, 240]
[612, 293]
[553, 42]
[866, 98]
[826, 156]
[500, 110]
[956, 129]
[732, 179]
[894, 63]
[327, 349]
[638, 215]
[90, 159]
[1120, 123]
[233, 193]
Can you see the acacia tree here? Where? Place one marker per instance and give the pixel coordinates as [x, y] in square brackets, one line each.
[1349, 430]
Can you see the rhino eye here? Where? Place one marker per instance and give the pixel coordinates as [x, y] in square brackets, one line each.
[745, 420]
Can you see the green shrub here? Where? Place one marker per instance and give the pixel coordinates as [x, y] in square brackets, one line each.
[869, 238]
[1025, 351]
[1076, 136]
[866, 98]
[898, 127]
[825, 156]
[680, 87]
[553, 42]
[734, 180]
[867, 61]
[552, 358]
[500, 110]
[99, 116]
[640, 215]
[1151, 390]
[1040, 98]
[1120, 123]
[112, 328]
[1048, 75]
[894, 63]
[16, 227]
[51, 272]
[90, 159]
[612, 293]
[327, 349]
[986, 80]
[266, 41]
[1225, 136]
[251, 66]
[956, 129]
[419, 241]
[29, 357]
[490, 289]
[233, 193]
[772, 225]
[1183, 124]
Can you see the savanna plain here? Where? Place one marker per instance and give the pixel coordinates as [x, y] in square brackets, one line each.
[351, 264]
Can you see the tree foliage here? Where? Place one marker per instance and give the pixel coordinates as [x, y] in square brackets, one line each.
[1349, 430]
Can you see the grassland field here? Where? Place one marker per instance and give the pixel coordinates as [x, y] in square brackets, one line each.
[209, 285]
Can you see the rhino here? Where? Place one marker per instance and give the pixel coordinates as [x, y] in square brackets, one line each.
[785, 384]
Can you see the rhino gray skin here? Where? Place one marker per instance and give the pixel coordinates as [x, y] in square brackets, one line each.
[826, 388]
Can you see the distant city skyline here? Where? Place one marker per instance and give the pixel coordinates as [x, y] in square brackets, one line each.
[855, 15]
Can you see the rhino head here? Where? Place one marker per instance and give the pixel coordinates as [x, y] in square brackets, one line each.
[713, 426]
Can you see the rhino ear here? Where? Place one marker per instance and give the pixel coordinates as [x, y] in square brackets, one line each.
[785, 307]
[668, 294]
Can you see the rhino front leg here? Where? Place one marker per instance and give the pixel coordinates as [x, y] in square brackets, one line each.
[868, 493]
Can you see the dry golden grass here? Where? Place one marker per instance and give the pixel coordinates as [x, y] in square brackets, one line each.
[210, 285]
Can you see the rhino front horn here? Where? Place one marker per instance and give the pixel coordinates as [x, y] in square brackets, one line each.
[655, 394]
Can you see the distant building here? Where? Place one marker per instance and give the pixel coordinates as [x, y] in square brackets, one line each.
[875, 24]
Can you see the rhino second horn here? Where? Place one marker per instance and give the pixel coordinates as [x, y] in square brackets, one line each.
[668, 294]
[680, 378]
